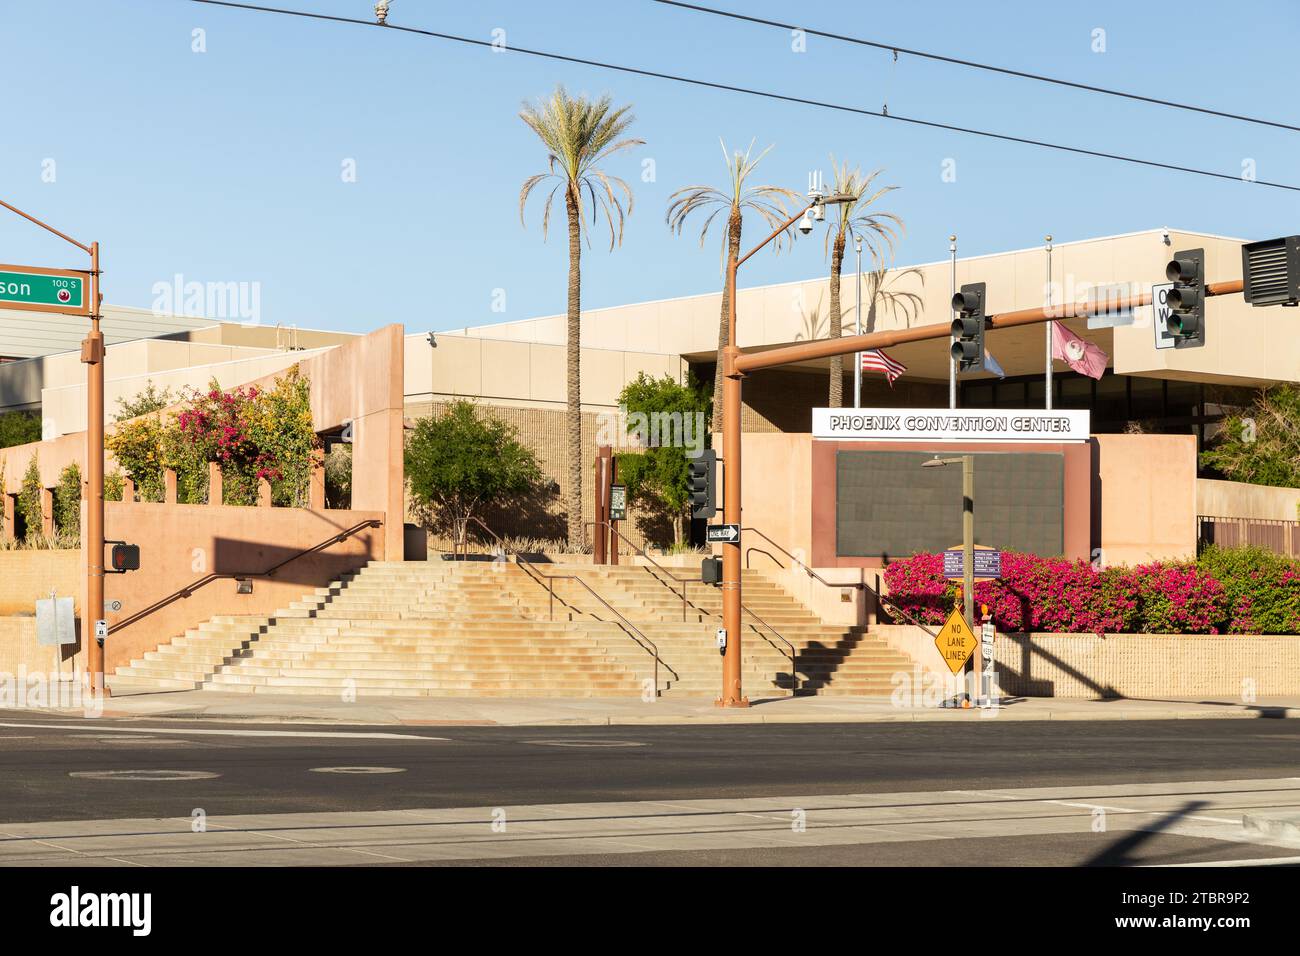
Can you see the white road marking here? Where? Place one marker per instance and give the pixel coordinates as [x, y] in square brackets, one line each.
[151, 776]
[358, 770]
[209, 732]
[585, 743]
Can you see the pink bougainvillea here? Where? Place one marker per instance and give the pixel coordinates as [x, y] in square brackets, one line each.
[1056, 595]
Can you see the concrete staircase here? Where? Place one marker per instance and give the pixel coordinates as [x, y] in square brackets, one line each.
[478, 628]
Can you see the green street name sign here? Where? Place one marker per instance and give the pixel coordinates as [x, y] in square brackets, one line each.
[44, 290]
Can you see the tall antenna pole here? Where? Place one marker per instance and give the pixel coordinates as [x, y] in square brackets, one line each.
[1050, 326]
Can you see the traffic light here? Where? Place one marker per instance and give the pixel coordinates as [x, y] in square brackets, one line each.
[701, 475]
[1186, 300]
[1270, 271]
[968, 328]
[125, 557]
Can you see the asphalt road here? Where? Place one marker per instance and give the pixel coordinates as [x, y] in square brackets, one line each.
[62, 769]
[477, 766]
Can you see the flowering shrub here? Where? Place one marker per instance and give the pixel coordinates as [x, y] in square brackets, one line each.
[1056, 595]
[1262, 589]
[1180, 598]
[252, 433]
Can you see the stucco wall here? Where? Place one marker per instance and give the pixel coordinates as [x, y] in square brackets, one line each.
[1126, 665]
[1144, 492]
[1236, 499]
[27, 576]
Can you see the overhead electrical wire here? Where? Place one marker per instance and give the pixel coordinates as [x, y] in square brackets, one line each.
[972, 64]
[767, 94]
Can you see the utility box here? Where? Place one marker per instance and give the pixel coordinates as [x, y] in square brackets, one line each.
[711, 571]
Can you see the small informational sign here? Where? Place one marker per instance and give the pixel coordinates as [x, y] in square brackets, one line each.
[723, 533]
[1104, 305]
[932, 425]
[988, 634]
[988, 563]
[112, 607]
[101, 630]
[618, 502]
[34, 289]
[1160, 313]
[56, 623]
[956, 641]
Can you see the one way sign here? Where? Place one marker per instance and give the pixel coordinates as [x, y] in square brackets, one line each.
[726, 533]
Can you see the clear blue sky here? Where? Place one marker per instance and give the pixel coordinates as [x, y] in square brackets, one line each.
[225, 166]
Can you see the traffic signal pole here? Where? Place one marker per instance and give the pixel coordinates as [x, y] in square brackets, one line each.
[736, 364]
[92, 355]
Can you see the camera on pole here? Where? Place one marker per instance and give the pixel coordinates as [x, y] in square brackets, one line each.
[1186, 300]
[968, 328]
[701, 477]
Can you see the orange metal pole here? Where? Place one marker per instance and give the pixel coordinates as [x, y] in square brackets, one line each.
[825, 348]
[93, 355]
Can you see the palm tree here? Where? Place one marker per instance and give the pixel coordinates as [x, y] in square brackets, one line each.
[893, 299]
[579, 134]
[878, 232]
[767, 201]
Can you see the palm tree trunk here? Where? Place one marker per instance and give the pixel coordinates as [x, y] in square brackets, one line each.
[733, 252]
[837, 361]
[573, 397]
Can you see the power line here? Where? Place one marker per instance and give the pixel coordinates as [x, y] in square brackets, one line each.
[1006, 71]
[781, 97]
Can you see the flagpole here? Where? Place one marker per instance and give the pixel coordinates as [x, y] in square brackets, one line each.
[1049, 326]
[857, 358]
[952, 285]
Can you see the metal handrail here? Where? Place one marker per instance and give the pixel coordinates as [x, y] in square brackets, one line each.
[857, 585]
[642, 552]
[527, 566]
[792, 654]
[218, 576]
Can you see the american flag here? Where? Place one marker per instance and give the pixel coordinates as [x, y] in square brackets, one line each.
[875, 360]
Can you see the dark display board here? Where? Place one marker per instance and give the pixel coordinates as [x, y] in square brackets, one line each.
[887, 505]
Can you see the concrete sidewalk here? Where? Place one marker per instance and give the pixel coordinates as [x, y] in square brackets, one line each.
[136, 701]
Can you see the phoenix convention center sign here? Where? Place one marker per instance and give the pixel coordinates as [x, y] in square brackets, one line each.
[943, 424]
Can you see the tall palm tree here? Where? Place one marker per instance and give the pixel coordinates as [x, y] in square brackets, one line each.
[878, 232]
[767, 201]
[579, 134]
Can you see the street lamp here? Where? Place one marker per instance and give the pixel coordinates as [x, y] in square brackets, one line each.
[967, 463]
[732, 694]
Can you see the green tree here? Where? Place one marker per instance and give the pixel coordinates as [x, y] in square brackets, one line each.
[147, 400]
[878, 233]
[677, 416]
[19, 428]
[67, 503]
[768, 202]
[579, 134]
[458, 464]
[29, 501]
[1262, 444]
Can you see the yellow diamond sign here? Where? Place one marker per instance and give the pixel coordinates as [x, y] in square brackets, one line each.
[956, 641]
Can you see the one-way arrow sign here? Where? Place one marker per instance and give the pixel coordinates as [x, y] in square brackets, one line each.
[726, 533]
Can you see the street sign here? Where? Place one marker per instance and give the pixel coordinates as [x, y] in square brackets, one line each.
[618, 502]
[1104, 300]
[55, 622]
[956, 641]
[988, 632]
[724, 533]
[988, 563]
[1160, 312]
[34, 289]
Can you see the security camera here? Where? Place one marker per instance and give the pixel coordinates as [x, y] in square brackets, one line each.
[805, 224]
[1164, 235]
[433, 343]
